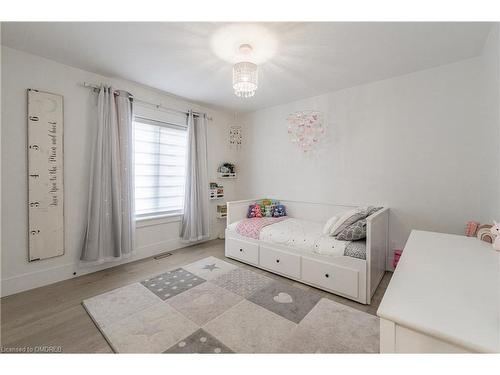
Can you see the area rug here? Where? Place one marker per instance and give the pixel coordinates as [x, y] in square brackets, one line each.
[212, 306]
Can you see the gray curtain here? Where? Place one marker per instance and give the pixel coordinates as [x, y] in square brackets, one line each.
[110, 218]
[195, 221]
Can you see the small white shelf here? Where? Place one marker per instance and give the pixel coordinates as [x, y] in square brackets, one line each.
[226, 176]
[217, 197]
[221, 216]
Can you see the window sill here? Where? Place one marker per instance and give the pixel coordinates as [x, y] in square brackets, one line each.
[148, 221]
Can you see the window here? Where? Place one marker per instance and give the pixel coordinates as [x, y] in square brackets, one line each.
[160, 167]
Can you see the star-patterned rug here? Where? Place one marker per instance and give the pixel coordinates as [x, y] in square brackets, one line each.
[212, 306]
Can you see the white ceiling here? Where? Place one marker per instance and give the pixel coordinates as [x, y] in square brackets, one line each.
[311, 58]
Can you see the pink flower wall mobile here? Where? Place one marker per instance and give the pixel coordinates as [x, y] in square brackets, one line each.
[305, 129]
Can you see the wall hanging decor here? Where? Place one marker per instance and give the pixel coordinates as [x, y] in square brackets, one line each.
[235, 137]
[45, 175]
[306, 129]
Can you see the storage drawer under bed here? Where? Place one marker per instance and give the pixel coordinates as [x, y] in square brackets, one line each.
[279, 261]
[243, 250]
[332, 277]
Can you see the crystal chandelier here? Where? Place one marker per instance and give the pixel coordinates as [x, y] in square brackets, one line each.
[245, 75]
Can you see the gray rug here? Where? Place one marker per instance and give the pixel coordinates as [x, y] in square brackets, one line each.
[285, 300]
[199, 342]
[212, 306]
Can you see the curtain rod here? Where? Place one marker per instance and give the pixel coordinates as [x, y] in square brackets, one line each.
[156, 105]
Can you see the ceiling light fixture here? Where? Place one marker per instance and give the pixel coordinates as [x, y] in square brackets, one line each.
[245, 75]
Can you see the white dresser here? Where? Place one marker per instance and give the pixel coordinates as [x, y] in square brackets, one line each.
[444, 297]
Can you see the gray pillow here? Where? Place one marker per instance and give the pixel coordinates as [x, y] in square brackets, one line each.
[360, 213]
[353, 232]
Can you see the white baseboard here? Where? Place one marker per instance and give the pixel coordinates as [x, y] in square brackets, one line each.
[52, 275]
[35, 279]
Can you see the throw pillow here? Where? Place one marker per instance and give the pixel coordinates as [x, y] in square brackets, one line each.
[351, 217]
[353, 232]
[329, 223]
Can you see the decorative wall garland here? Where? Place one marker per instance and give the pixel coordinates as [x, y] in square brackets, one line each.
[305, 129]
[235, 137]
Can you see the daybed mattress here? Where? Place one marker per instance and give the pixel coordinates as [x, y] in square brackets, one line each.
[307, 236]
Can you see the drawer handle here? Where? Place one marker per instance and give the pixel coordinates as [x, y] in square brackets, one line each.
[327, 275]
[277, 260]
[241, 249]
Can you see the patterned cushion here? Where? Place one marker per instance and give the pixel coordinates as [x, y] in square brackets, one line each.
[353, 232]
[356, 249]
[353, 216]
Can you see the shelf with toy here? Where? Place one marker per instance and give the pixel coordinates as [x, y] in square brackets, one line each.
[226, 171]
[216, 191]
[221, 211]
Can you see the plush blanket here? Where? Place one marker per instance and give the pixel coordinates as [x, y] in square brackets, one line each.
[252, 227]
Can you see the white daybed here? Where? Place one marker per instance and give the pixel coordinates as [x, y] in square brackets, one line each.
[350, 277]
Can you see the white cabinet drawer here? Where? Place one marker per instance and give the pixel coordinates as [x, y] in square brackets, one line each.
[335, 278]
[284, 263]
[246, 251]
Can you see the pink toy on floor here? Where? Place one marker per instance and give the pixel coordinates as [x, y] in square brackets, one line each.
[395, 259]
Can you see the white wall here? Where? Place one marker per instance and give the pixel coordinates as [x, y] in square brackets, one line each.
[490, 67]
[423, 144]
[21, 71]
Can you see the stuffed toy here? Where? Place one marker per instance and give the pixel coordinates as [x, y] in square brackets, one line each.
[251, 213]
[262, 209]
[258, 210]
[495, 232]
[266, 202]
[268, 211]
[254, 210]
[279, 211]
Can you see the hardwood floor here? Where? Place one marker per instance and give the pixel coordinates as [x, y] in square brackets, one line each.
[53, 315]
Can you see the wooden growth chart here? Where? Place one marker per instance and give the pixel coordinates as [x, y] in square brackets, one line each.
[45, 175]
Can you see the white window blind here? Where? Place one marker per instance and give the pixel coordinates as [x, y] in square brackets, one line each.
[160, 167]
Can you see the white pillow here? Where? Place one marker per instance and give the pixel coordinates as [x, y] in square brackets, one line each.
[329, 224]
[342, 220]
